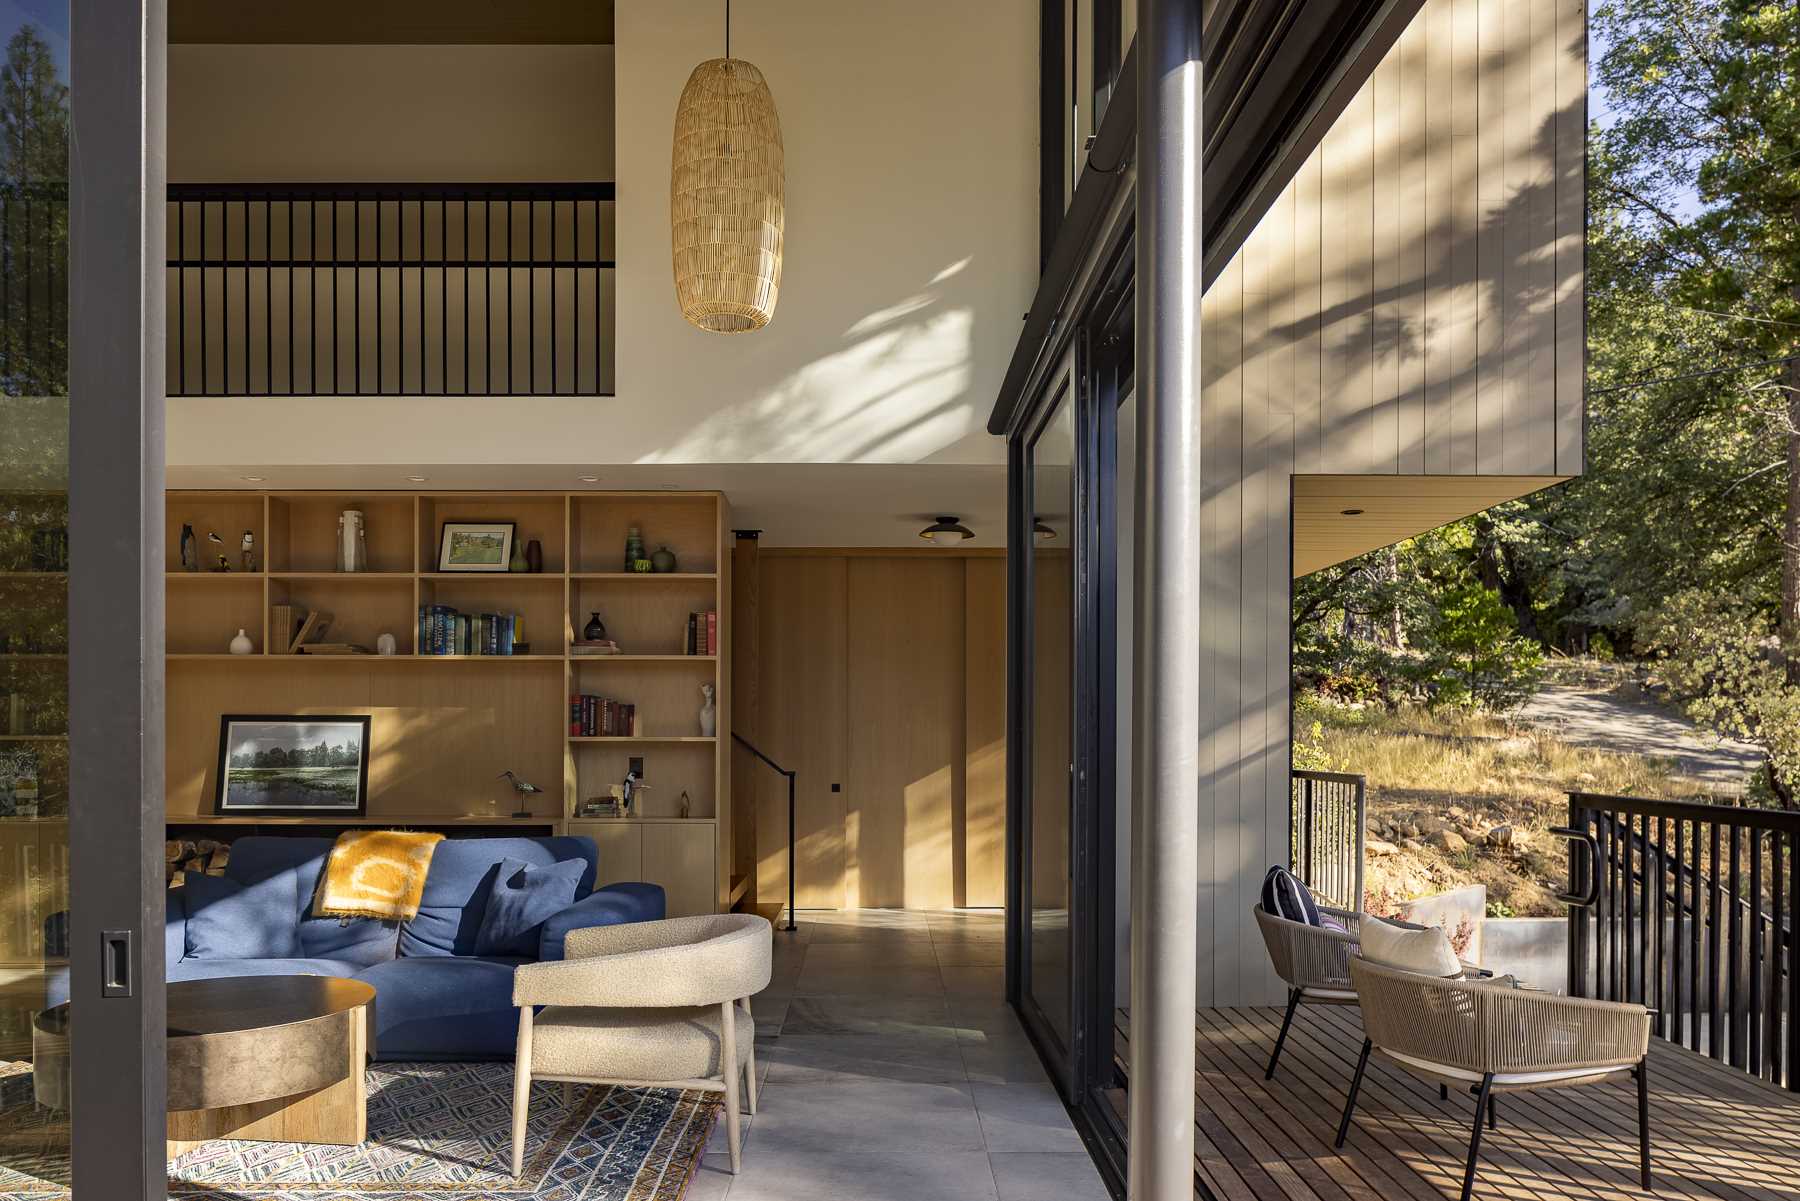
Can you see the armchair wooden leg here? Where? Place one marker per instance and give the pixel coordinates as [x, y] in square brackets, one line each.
[1281, 1039]
[1482, 1096]
[750, 1071]
[568, 1094]
[1643, 1085]
[1362, 1064]
[521, 1090]
[732, 1076]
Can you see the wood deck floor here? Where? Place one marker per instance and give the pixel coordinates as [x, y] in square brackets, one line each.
[1715, 1133]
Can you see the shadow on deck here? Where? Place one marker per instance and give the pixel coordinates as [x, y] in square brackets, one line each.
[1715, 1133]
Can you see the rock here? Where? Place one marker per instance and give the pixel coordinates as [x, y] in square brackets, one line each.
[1500, 836]
[1448, 841]
[1586, 777]
[1380, 849]
[1410, 830]
[1412, 844]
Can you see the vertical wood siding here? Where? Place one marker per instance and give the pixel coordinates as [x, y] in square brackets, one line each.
[1411, 305]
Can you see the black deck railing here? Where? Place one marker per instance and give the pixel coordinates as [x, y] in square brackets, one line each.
[34, 288]
[1692, 910]
[491, 289]
[1328, 833]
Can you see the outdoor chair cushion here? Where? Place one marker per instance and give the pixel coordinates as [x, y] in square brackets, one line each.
[229, 919]
[523, 897]
[1285, 896]
[1426, 951]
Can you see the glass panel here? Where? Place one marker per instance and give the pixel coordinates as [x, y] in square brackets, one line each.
[1053, 682]
[1124, 545]
[34, 558]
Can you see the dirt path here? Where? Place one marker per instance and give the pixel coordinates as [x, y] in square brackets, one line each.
[1595, 718]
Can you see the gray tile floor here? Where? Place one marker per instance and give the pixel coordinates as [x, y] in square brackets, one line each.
[892, 1070]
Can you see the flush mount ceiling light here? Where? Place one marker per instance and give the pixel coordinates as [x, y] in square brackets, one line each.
[253, 479]
[588, 479]
[727, 196]
[417, 479]
[1040, 531]
[945, 531]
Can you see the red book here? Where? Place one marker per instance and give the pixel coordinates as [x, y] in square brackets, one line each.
[712, 631]
[575, 716]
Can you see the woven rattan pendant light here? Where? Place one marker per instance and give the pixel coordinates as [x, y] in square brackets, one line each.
[726, 185]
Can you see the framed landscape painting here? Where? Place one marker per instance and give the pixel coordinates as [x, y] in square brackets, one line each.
[475, 546]
[284, 766]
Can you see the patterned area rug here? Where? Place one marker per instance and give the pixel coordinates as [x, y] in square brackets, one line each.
[438, 1131]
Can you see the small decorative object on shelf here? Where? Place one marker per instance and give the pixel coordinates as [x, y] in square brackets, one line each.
[595, 629]
[634, 548]
[476, 546]
[709, 712]
[218, 548]
[534, 557]
[641, 566]
[352, 543]
[241, 644]
[524, 789]
[628, 791]
[190, 549]
[385, 645]
[663, 561]
[247, 553]
[518, 563]
[687, 804]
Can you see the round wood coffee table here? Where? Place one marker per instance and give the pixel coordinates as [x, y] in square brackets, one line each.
[271, 1058]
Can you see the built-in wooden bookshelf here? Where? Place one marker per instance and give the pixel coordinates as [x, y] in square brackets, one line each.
[445, 726]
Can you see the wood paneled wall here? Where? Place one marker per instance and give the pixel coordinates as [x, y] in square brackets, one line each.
[884, 675]
[1412, 306]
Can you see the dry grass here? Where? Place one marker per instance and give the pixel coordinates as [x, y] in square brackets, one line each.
[1471, 774]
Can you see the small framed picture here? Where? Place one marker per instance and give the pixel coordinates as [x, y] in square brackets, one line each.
[285, 766]
[475, 546]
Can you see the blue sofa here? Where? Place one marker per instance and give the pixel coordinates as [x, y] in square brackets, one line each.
[434, 997]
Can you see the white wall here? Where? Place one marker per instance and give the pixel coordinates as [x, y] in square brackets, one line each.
[911, 136]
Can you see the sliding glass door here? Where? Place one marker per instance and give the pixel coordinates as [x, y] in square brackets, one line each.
[80, 610]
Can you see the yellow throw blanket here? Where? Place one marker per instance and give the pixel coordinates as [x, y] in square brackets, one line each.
[375, 873]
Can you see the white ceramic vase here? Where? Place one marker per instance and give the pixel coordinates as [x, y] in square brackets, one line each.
[709, 712]
[385, 645]
[241, 645]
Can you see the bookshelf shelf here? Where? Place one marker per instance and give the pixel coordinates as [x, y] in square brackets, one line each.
[33, 576]
[440, 735]
[34, 738]
[643, 577]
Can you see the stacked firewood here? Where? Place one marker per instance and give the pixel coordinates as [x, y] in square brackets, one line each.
[194, 855]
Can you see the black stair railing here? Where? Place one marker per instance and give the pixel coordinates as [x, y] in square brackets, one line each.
[1691, 910]
[791, 776]
[419, 289]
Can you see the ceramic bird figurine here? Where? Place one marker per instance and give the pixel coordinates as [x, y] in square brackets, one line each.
[248, 546]
[525, 789]
[218, 545]
[190, 553]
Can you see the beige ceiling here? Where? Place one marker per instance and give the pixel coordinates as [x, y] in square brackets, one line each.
[1393, 507]
[407, 22]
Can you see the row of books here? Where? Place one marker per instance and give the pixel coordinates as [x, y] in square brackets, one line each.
[445, 631]
[702, 634]
[601, 717]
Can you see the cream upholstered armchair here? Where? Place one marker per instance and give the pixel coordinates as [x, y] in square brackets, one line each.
[645, 1004]
[1494, 1037]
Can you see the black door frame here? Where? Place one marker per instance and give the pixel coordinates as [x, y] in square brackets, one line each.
[117, 102]
[1098, 348]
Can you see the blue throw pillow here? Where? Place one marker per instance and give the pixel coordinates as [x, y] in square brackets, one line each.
[231, 920]
[1284, 896]
[523, 898]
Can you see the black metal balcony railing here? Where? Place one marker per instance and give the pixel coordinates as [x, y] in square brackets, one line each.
[1328, 833]
[494, 289]
[1692, 911]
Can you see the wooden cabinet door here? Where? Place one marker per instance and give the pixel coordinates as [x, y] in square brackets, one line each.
[621, 846]
[679, 856]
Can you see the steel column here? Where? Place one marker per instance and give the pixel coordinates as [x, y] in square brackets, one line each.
[1166, 633]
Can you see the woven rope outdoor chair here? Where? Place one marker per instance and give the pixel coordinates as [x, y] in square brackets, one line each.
[661, 1004]
[1491, 1037]
[1314, 962]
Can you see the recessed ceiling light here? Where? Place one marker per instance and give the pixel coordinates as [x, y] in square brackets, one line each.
[417, 479]
[1351, 512]
[253, 479]
[588, 479]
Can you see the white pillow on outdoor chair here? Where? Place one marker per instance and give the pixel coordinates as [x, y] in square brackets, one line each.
[1427, 952]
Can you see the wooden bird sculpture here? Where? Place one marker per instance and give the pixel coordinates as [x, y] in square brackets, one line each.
[525, 790]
